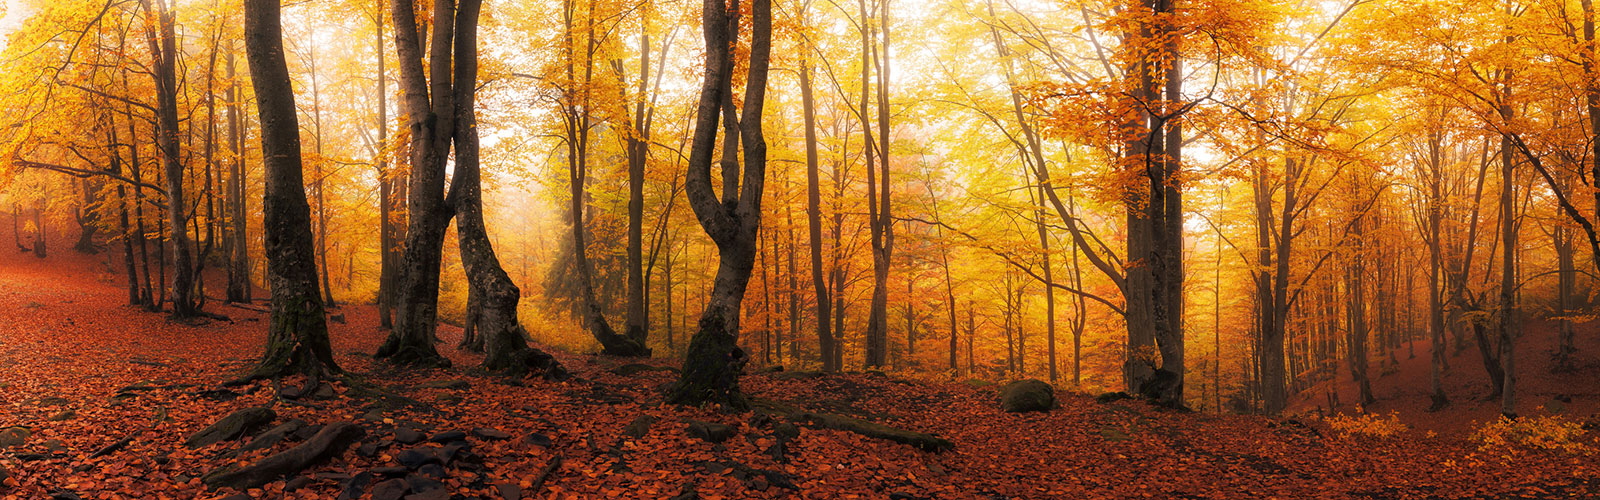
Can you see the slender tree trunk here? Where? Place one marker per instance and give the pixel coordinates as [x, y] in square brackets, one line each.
[239, 252]
[1508, 328]
[880, 224]
[163, 45]
[319, 182]
[826, 344]
[1436, 323]
[386, 182]
[125, 230]
[1356, 310]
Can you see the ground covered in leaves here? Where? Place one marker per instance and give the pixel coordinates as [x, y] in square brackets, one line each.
[97, 400]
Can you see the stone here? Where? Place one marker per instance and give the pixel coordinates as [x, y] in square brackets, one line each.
[508, 491]
[405, 435]
[424, 484]
[390, 471]
[355, 486]
[710, 431]
[639, 426]
[537, 439]
[439, 494]
[393, 489]
[64, 415]
[490, 434]
[1027, 395]
[416, 457]
[432, 470]
[448, 437]
[13, 436]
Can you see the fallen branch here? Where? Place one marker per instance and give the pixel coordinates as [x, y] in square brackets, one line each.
[922, 441]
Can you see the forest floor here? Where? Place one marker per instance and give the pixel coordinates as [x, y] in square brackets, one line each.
[81, 372]
[1401, 382]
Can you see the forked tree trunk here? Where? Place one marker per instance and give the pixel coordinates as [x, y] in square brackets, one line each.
[714, 361]
[297, 338]
[163, 45]
[429, 105]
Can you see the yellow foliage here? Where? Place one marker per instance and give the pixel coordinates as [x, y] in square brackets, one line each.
[1544, 433]
[1367, 424]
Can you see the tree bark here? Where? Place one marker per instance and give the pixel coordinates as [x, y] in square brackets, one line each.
[239, 287]
[497, 324]
[711, 368]
[297, 338]
[826, 343]
[432, 113]
[163, 46]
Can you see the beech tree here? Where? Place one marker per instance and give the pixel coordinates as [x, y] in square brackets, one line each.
[297, 337]
[714, 361]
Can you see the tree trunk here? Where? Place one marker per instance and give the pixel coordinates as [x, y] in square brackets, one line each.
[163, 44]
[429, 105]
[297, 338]
[826, 344]
[880, 224]
[496, 321]
[1508, 270]
[386, 182]
[1356, 311]
[239, 252]
[711, 368]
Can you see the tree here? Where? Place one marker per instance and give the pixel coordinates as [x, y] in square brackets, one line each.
[496, 320]
[429, 104]
[711, 367]
[163, 48]
[297, 336]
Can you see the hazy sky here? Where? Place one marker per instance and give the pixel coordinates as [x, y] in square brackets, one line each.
[15, 14]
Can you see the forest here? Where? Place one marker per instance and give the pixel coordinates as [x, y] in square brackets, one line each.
[433, 249]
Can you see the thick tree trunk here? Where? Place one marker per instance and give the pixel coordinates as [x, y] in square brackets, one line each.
[429, 104]
[297, 338]
[714, 361]
[497, 324]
